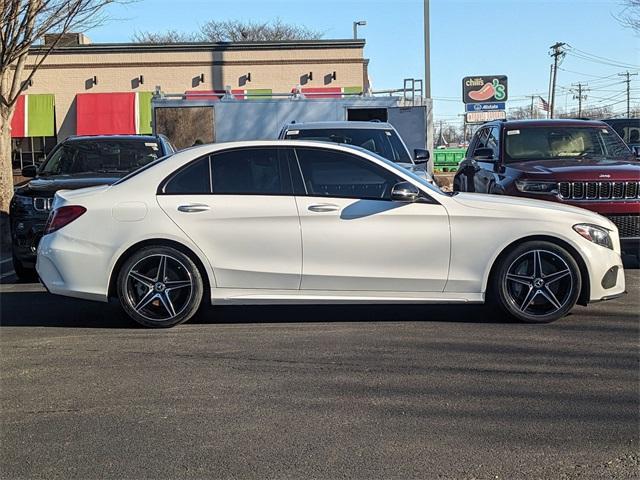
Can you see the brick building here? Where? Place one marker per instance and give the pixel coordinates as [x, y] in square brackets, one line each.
[92, 88]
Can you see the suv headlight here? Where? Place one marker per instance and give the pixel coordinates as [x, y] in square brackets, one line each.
[22, 202]
[595, 234]
[534, 186]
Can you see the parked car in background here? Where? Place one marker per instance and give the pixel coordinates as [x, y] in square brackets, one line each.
[291, 221]
[574, 162]
[76, 162]
[628, 129]
[377, 137]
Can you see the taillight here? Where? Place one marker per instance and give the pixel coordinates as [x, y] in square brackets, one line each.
[62, 216]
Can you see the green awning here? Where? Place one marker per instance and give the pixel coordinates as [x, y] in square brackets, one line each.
[144, 112]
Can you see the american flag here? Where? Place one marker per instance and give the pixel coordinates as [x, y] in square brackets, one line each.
[544, 105]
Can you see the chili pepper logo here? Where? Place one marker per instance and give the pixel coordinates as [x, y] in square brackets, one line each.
[488, 90]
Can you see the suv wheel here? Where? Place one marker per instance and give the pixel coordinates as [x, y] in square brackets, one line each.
[537, 282]
[160, 287]
[23, 273]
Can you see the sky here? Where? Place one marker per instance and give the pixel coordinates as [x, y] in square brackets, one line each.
[468, 37]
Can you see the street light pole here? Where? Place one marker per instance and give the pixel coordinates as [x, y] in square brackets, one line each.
[359, 23]
[427, 81]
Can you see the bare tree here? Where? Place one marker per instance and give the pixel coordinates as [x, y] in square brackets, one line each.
[630, 15]
[232, 31]
[169, 36]
[25, 22]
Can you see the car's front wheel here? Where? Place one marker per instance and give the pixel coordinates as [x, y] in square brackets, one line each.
[537, 282]
[160, 287]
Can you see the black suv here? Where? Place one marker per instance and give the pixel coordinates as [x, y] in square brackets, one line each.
[77, 162]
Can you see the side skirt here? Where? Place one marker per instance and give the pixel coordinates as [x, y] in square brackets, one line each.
[233, 296]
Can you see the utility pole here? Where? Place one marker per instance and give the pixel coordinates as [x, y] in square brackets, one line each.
[531, 111]
[628, 82]
[579, 96]
[557, 54]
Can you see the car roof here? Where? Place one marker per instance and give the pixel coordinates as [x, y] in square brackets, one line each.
[343, 124]
[627, 121]
[550, 122]
[104, 138]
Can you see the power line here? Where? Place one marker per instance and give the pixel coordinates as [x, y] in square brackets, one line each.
[597, 58]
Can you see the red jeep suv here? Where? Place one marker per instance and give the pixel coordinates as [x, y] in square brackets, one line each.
[577, 162]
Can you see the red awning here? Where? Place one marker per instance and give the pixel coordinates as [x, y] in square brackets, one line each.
[322, 92]
[106, 113]
[18, 124]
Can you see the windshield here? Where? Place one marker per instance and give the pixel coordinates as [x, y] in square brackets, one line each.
[629, 130]
[103, 156]
[385, 143]
[546, 143]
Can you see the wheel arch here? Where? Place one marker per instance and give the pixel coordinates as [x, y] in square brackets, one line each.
[585, 289]
[164, 242]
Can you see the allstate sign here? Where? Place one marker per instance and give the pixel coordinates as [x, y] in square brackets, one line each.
[484, 107]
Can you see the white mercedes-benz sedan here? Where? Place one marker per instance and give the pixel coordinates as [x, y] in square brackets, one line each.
[313, 222]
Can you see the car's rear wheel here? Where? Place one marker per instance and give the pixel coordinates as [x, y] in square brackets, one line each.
[537, 282]
[160, 287]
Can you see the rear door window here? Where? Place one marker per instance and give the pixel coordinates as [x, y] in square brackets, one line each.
[251, 171]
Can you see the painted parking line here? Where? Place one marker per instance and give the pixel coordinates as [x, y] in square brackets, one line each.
[8, 274]
[6, 260]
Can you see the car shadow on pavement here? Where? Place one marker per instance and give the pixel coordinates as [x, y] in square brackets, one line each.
[40, 309]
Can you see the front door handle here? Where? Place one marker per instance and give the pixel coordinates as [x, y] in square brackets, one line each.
[194, 208]
[324, 207]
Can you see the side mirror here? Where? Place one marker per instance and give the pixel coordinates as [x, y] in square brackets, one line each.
[484, 153]
[420, 155]
[405, 192]
[30, 171]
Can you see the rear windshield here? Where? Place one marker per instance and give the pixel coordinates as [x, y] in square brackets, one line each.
[385, 143]
[542, 143]
[104, 156]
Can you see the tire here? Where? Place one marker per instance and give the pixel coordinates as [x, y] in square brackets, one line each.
[23, 273]
[159, 300]
[456, 184]
[536, 282]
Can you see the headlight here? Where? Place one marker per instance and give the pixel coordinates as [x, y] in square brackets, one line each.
[531, 186]
[22, 202]
[595, 234]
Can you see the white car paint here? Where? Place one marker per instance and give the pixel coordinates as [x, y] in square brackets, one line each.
[275, 249]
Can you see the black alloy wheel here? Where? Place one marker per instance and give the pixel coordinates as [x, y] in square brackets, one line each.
[537, 282]
[160, 287]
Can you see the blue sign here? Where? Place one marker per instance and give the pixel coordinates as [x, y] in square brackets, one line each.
[484, 107]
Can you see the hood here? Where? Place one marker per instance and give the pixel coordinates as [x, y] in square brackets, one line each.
[416, 169]
[544, 207]
[48, 186]
[597, 169]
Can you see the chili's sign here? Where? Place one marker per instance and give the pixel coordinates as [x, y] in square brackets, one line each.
[484, 89]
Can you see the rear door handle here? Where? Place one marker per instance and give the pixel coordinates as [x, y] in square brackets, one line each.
[194, 208]
[324, 207]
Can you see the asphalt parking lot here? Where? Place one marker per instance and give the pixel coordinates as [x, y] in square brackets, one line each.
[317, 392]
